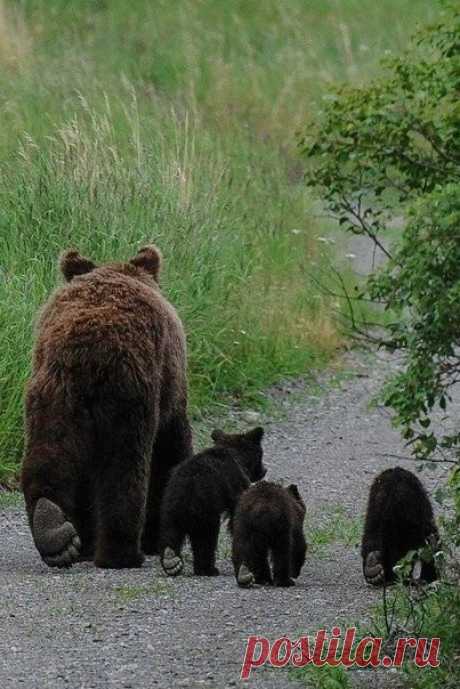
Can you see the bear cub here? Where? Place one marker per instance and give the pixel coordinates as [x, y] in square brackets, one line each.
[200, 491]
[399, 518]
[269, 520]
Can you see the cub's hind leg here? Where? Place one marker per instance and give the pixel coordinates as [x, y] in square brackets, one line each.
[203, 539]
[121, 487]
[250, 559]
[173, 444]
[375, 568]
[282, 563]
[172, 536]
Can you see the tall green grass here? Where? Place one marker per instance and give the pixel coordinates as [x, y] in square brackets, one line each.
[122, 123]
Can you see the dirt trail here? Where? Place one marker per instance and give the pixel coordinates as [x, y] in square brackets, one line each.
[87, 628]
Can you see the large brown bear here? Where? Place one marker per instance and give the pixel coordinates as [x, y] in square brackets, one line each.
[106, 413]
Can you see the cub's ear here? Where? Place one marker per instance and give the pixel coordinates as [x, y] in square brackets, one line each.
[149, 259]
[293, 490]
[218, 436]
[256, 435]
[72, 264]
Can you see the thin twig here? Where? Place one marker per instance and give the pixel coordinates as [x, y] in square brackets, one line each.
[416, 459]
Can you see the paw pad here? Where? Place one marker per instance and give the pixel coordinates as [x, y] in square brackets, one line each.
[55, 538]
[171, 563]
[373, 568]
[245, 577]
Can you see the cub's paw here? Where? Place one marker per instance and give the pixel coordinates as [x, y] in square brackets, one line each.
[245, 577]
[416, 573]
[55, 538]
[374, 572]
[171, 563]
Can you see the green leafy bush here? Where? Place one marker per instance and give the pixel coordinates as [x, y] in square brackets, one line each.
[391, 148]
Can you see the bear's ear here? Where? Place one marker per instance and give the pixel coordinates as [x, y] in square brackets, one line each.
[293, 490]
[256, 435]
[72, 263]
[149, 259]
[218, 436]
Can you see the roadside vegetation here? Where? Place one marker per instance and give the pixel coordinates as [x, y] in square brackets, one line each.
[175, 123]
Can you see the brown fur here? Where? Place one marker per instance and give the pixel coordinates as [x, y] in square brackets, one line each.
[106, 412]
[269, 520]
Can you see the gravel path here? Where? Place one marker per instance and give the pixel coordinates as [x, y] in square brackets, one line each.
[86, 628]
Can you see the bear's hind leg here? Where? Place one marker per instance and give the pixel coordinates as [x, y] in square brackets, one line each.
[429, 571]
[250, 558]
[172, 539]
[374, 569]
[50, 477]
[85, 520]
[120, 511]
[282, 563]
[244, 577]
[55, 537]
[257, 560]
[121, 491]
[203, 539]
[261, 571]
[372, 547]
[172, 445]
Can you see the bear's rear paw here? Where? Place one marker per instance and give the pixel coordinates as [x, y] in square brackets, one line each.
[245, 577]
[55, 538]
[171, 563]
[374, 572]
